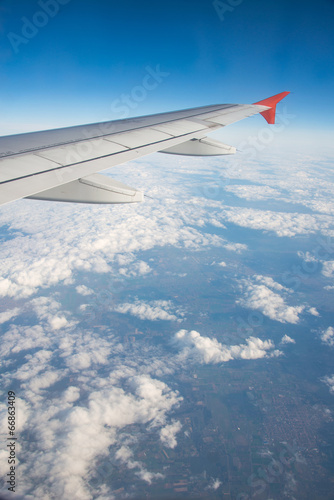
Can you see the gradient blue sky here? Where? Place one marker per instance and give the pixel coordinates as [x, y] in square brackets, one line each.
[92, 52]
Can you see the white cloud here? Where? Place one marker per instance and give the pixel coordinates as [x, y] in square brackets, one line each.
[287, 340]
[254, 192]
[82, 350]
[125, 455]
[214, 484]
[8, 315]
[26, 278]
[21, 338]
[269, 282]
[201, 349]
[149, 476]
[205, 350]
[58, 322]
[71, 394]
[155, 310]
[313, 311]
[143, 268]
[235, 247]
[222, 264]
[139, 268]
[216, 223]
[35, 363]
[327, 336]
[328, 269]
[168, 434]
[45, 380]
[255, 348]
[329, 380]
[269, 303]
[84, 290]
[48, 309]
[282, 223]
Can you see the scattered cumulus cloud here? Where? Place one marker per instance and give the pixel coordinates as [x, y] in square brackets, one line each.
[84, 290]
[8, 315]
[327, 336]
[214, 484]
[192, 345]
[328, 269]
[313, 311]
[235, 247]
[329, 380]
[48, 309]
[168, 434]
[155, 310]
[45, 380]
[262, 298]
[287, 340]
[125, 455]
[139, 268]
[58, 322]
[34, 364]
[269, 282]
[23, 338]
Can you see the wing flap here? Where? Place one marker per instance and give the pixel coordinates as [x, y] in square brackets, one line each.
[95, 188]
[201, 147]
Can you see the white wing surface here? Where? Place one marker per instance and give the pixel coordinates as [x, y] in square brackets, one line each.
[62, 164]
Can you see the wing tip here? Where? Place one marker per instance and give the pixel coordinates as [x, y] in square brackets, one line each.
[270, 114]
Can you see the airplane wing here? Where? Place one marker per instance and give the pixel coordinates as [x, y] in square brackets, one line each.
[62, 164]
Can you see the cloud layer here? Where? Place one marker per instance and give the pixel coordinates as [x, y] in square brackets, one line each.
[96, 398]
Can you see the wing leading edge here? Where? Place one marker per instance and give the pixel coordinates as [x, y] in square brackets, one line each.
[62, 164]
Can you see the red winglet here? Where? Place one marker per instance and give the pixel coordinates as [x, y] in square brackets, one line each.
[269, 114]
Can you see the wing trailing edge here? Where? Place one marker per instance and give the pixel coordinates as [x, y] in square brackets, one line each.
[201, 147]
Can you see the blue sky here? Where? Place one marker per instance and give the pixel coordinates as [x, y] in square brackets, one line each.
[80, 61]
